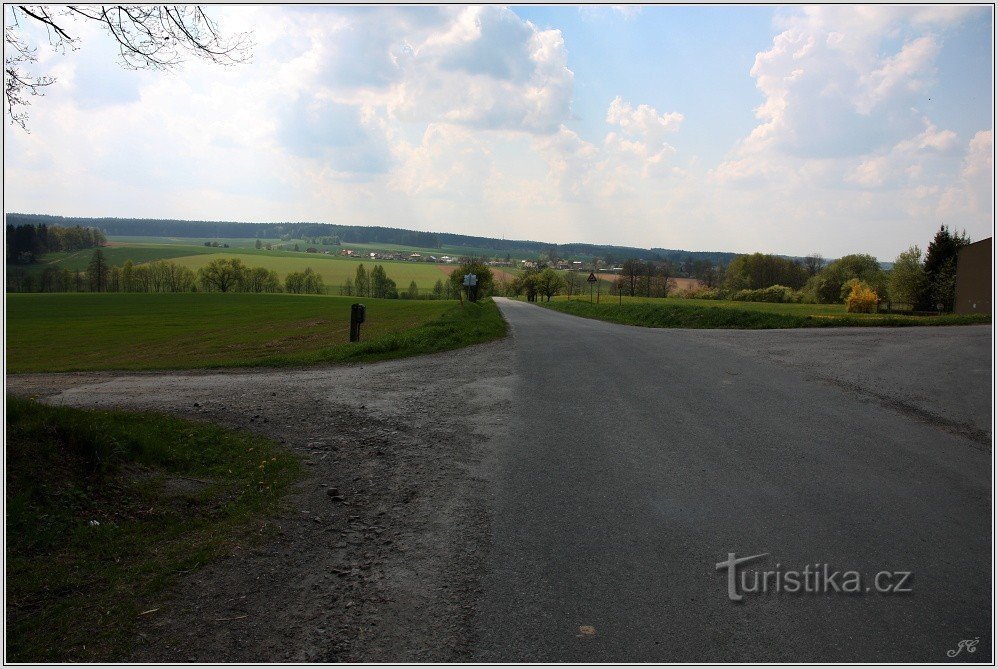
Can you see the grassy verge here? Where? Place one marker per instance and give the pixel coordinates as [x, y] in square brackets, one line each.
[676, 314]
[106, 509]
[459, 326]
[121, 331]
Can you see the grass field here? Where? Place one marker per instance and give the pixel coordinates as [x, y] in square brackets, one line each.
[334, 270]
[106, 509]
[77, 261]
[233, 242]
[682, 313]
[251, 243]
[48, 332]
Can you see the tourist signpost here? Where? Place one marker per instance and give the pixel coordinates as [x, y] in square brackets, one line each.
[471, 285]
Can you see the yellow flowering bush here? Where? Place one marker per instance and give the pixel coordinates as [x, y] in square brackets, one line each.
[862, 299]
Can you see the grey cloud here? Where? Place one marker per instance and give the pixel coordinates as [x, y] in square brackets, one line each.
[334, 134]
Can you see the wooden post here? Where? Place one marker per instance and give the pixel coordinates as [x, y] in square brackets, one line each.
[356, 318]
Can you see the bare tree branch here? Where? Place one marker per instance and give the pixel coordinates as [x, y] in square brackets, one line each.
[43, 16]
[155, 37]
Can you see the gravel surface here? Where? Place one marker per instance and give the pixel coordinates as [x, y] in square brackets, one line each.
[378, 555]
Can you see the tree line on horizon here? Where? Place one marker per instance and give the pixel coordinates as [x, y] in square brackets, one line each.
[27, 242]
[222, 275]
[914, 282]
[356, 234]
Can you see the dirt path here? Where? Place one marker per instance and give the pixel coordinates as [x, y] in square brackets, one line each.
[389, 572]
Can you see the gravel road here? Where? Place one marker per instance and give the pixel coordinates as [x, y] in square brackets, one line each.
[565, 493]
[390, 572]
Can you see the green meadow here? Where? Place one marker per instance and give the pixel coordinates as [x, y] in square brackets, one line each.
[77, 261]
[52, 332]
[250, 243]
[334, 270]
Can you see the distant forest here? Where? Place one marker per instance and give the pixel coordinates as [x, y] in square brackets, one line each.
[27, 241]
[150, 227]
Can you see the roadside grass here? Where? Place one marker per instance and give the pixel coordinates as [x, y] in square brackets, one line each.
[61, 332]
[678, 313]
[768, 307]
[459, 326]
[105, 509]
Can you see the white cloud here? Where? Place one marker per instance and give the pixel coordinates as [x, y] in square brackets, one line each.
[971, 196]
[980, 155]
[627, 157]
[843, 88]
[644, 121]
[909, 161]
[488, 69]
[449, 160]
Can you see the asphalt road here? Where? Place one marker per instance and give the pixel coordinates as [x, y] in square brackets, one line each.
[638, 459]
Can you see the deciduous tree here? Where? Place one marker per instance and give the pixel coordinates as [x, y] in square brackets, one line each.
[907, 282]
[549, 283]
[222, 275]
[361, 283]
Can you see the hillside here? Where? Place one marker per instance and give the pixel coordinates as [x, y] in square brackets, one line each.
[352, 234]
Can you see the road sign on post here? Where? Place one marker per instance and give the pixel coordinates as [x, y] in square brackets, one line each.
[471, 286]
[591, 280]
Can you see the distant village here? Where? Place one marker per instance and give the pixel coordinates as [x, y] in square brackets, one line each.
[405, 256]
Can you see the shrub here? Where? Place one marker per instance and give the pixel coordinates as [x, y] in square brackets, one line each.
[702, 293]
[862, 299]
[779, 294]
[828, 286]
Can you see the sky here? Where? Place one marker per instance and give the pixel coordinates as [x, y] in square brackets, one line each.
[828, 129]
